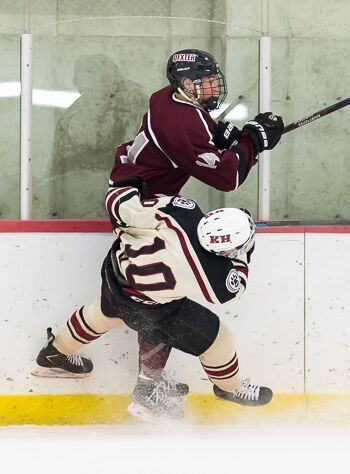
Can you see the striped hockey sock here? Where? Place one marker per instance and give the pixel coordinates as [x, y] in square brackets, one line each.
[224, 376]
[84, 326]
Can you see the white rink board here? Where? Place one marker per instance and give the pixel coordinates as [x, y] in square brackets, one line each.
[268, 321]
[47, 276]
[270, 328]
[327, 312]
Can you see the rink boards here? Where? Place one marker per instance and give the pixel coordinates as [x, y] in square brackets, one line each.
[291, 327]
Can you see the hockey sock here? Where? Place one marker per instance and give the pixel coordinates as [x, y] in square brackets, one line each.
[152, 358]
[220, 361]
[84, 326]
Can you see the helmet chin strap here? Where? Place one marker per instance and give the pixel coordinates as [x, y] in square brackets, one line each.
[190, 97]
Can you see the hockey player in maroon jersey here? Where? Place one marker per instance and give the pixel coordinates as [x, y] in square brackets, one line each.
[166, 253]
[178, 139]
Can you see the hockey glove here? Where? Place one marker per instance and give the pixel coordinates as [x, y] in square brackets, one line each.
[225, 136]
[265, 130]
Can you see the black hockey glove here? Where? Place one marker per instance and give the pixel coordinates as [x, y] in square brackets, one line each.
[226, 134]
[265, 130]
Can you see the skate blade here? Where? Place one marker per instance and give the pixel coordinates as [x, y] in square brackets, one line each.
[143, 414]
[57, 373]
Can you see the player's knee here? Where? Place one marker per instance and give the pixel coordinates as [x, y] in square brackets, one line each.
[222, 346]
[96, 319]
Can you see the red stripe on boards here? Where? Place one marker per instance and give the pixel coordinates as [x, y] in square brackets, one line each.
[302, 229]
[100, 226]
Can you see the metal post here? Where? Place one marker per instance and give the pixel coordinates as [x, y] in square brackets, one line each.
[264, 106]
[26, 127]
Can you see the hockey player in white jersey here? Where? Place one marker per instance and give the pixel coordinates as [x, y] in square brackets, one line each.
[166, 253]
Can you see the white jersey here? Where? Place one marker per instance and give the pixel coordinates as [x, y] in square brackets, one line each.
[157, 257]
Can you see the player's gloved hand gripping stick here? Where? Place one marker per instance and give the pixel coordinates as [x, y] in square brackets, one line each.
[265, 131]
[227, 134]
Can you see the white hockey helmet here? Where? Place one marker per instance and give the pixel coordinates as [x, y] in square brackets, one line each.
[228, 232]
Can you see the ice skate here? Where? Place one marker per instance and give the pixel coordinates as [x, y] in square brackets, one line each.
[176, 389]
[246, 394]
[155, 399]
[52, 363]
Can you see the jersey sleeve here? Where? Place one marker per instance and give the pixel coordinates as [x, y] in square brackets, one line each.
[241, 267]
[228, 278]
[125, 208]
[194, 152]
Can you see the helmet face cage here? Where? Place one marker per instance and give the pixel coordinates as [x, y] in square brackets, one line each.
[245, 247]
[214, 87]
[201, 68]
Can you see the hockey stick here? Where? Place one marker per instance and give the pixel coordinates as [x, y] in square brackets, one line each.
[307, 222]
[317, 115]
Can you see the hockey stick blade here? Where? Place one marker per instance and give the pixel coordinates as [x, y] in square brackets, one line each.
[317, 115]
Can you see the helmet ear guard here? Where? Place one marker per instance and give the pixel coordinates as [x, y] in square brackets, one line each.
[228, 232]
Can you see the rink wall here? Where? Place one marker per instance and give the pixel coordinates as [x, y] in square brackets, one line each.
[292, 326]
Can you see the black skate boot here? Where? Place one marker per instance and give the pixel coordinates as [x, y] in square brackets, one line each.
[52, 363]
[154, 399]
[246, 394]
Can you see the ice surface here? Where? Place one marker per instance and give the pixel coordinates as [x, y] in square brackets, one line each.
[142, 449]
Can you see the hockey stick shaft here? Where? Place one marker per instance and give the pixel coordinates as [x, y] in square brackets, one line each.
[316, 115]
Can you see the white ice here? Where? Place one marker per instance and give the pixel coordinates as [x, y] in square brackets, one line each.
[142, 449]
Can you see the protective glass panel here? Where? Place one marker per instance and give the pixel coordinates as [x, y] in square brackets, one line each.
[11, 25]
[95, 68]
[310, 167]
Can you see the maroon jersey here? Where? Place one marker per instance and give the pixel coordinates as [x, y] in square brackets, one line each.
[174, 142]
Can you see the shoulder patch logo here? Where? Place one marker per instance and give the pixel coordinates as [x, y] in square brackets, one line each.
[233, 281]
[185, 203]
[209, 160]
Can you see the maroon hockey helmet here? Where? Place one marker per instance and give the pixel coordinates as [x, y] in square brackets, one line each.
[195, 64]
